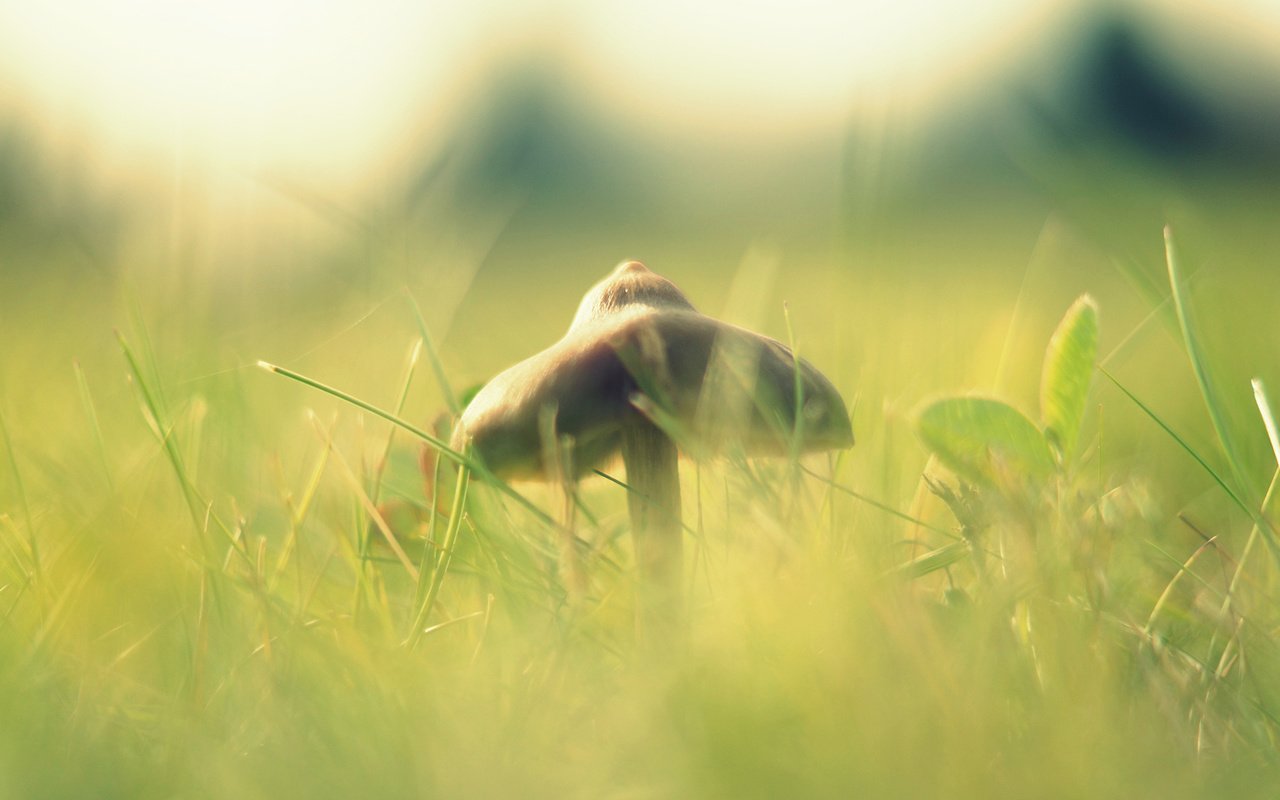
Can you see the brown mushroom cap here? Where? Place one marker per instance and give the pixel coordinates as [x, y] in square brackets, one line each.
[636, 333]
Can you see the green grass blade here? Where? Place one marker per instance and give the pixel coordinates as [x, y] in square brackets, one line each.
[933, 560]
[147, 349]
[888, 509]
[407, 381]
[443, 559]
[32, 540]
[1153, 314]
[1218, 479]
[1248, 548]
[1183, 569]
[201, 511]
[433, 355]
[1149, 289]
[1199, 364]
[1253, 513]
[300, 510]
[90, 409]
[797, 433]
[439, 444]
[160, 425]
[1268, 417]
[375, 516]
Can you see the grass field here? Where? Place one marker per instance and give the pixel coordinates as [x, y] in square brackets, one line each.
[195, 602]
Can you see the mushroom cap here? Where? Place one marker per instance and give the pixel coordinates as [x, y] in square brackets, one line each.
[635, 336]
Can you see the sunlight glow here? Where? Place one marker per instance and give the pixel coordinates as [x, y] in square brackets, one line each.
[241, 80]
[337, 85]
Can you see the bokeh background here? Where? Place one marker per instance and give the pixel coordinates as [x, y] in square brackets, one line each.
[926, 184]
[288, 168]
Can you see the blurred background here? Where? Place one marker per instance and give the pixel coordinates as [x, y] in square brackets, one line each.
[926, 182]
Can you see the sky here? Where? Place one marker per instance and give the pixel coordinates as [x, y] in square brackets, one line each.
[338, 86]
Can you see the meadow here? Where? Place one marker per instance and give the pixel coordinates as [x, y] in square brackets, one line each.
[196, 601]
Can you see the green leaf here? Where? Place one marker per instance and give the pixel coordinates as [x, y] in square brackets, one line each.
[1068, 369]
[984, 440]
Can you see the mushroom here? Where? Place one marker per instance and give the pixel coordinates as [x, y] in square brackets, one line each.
[641, 371]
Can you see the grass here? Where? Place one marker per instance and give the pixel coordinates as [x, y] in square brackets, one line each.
[216, 581]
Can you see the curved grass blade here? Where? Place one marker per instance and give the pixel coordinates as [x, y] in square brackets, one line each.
[200, 509]
[410, 367]
[33, 542]
[888, 509]
[1200, 366]
[1268, 417]
[443, 560]
[1258, 518]
[933, 560]
[433, 355]
[438, 444]
[91, 411]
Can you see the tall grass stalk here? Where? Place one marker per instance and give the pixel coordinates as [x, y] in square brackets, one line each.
[439, 444]
[1199, 363]
[91, 411]
[443, 559]
[33, 540]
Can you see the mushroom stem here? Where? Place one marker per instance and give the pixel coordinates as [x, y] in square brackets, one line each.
[653, 474]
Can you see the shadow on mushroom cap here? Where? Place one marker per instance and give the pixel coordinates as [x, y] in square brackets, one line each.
[721, 386]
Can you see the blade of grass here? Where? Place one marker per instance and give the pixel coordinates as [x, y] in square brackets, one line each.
[1199, 364]
[454, 621]
[1006, 349]
[444, 558]
[162, 431]
[1183, 569]
[797, 433]
[440, 445]
[58, 613]
[1268, 417]
[86, 398]
[405, 382]
[201, 511]
[888, 509]
[148, 351]
[1262, 522]
[309, 493]
[619, 482]
[23, 576]
[1137, 329]
[433, 501]
[32, 540]
[484, 629]
[1150, 290]
[368, 507]
[933, 560]
[1184, 566]
[298, 513]
[1236, 576]
[433, 355]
